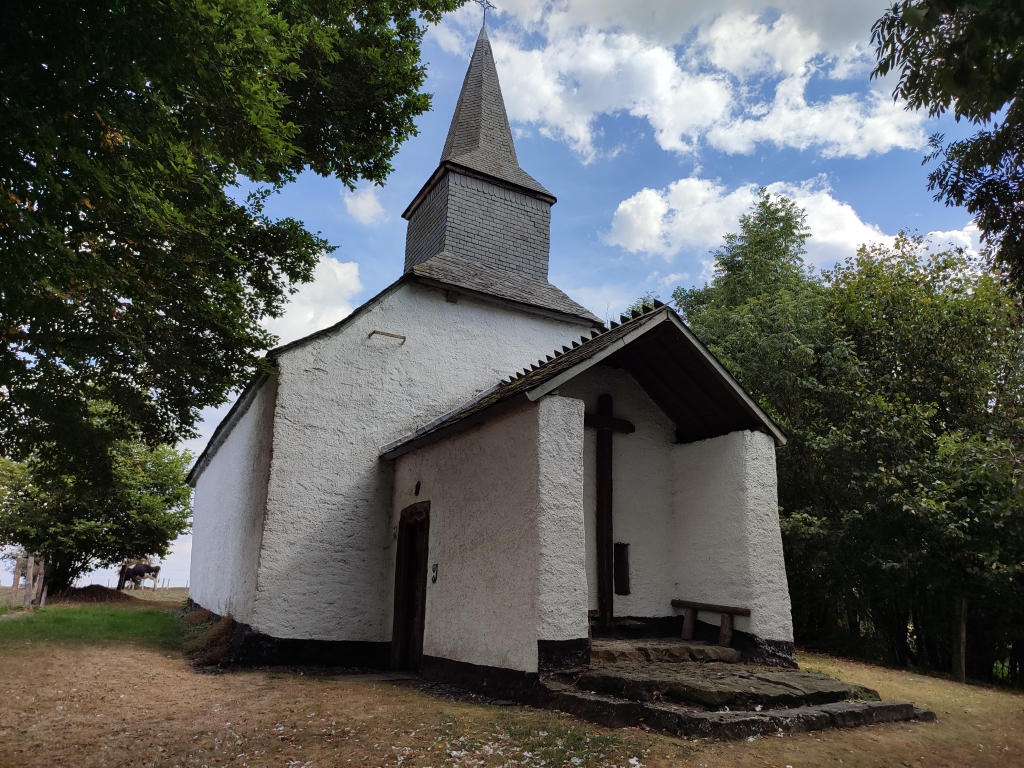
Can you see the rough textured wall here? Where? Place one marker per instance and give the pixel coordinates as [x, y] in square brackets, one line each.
[728, 538]
[324, 569]
[482, 488]
[642, 500]
[506, 531]
[425, 234]
[517, 235]
[515, 238]
[562, 575]
[229, 503]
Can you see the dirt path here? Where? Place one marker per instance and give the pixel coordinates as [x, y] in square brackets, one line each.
[123, 705]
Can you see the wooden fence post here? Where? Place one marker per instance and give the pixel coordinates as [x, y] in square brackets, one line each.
[17, 578]
[29, 573]
[42, 581]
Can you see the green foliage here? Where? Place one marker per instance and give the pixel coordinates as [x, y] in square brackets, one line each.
[644, 302]
[131, 275]
[95, 625]
[899, 378]
[968, 56]
[78, 519]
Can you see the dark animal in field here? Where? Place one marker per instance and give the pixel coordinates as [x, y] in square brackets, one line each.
[138, 573]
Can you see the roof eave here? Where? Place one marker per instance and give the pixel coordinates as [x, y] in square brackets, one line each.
[465, 170]
[432, 282]
[727, 378]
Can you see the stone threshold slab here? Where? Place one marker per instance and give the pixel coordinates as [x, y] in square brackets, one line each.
[606, 651]
[693, 723]
[711, 685]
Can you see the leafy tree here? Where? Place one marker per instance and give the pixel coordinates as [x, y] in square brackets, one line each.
[644, 302]
[898, 377]
[77, 523]
[132, 274]
[968, 56]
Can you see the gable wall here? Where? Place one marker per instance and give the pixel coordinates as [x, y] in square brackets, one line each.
[642, 490]
[324, 564]
[506, 531]
[228, 506]
[701, 519]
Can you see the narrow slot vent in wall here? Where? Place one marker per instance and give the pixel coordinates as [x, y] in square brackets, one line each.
[621, 569]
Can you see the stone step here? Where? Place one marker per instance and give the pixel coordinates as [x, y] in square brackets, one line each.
[664, 650]
[693, 723]
[712, 685]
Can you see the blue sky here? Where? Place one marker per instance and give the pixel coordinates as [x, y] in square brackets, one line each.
[653, 141]
[653, 123]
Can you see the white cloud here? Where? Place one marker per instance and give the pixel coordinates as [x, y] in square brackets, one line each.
[744, 46]
[844, 125]
[671, 281]
[363, 206]
[694, 214]
[968, 238]
[320, 303]
[565, 86]
[694, 72]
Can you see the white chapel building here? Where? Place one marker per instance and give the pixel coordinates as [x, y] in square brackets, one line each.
[471, 475]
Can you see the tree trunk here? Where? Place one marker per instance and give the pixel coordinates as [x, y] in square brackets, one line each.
[853, 623]
[121, 577]
[39, 582]
[1017, 661]
[17, 578]
[29, 569]
[47, 573]
[960, 640]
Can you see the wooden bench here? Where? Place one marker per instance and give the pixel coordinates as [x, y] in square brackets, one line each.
[727, 612]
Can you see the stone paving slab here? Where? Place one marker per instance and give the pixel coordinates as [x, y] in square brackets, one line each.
[694, 723]
[713, 684]
[663, 650]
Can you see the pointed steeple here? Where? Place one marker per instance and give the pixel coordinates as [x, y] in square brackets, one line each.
[481, 225]
[479, 137]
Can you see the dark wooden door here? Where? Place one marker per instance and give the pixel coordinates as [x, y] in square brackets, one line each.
[410, 587]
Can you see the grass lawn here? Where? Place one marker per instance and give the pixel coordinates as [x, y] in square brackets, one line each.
[105, 686]
[92, 624]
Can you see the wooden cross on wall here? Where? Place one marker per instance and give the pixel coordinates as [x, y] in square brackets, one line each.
[606, 424]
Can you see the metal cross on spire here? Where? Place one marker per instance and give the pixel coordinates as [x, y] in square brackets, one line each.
[485, 4]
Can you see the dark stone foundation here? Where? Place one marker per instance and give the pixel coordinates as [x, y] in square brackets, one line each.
[249, 648]
[562, 654]
[496, 682]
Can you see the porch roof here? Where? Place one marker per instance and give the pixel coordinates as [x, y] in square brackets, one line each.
[661, 353]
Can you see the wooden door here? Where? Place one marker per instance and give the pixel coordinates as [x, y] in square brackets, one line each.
[410, 587]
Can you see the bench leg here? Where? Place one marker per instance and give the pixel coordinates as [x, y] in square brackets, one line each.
[689, 623]
[725, 631]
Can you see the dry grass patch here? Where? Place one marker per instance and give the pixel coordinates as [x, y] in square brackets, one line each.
[125, 705]
[978, 726]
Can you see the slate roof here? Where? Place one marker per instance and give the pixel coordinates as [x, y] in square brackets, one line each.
[479, 137]
[462, 273]
[678, 372]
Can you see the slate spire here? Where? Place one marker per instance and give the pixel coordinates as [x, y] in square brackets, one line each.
[481, 225]
[479, 137]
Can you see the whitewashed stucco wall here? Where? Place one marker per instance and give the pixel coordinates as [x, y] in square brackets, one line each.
[728, 537]
[228, 507]
[506, 531]
[343, 396]
[642, 485]
[701, 519]
[562, 591]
